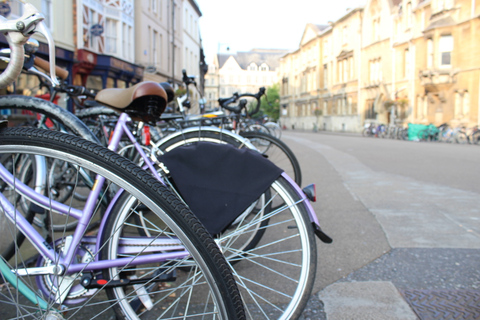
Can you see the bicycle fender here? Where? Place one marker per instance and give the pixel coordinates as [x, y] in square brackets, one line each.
[311, 213]
[50, 109]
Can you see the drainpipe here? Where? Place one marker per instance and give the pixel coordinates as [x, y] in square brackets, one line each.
[473, 9]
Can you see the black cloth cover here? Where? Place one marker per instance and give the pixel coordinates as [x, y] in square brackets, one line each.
[219, 181]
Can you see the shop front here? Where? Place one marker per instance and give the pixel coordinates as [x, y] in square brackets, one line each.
[96, 71]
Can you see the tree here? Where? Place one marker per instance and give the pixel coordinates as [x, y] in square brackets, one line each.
[270, 105]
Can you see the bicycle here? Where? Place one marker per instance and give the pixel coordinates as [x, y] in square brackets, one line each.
[127, 268]
[369, 130]
[248, 241]
[474, 135]
[242, 240]
[447, 134]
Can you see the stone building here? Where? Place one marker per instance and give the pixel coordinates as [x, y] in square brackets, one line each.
[392, 62]
[300, 82]
[241, 72]
[320, 80]
[168, 41]
[447, 59]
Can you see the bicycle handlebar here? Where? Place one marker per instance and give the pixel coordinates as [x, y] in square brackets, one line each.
[45, 65]
[188, 79]
[14, 67]
[17, 33]
[224, 102]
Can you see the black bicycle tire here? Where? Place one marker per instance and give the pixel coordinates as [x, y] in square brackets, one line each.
[297, 171]
[154, 190]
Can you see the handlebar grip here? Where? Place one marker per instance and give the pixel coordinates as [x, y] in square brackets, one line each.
[17, 57]
[224, 103]
[45, 65]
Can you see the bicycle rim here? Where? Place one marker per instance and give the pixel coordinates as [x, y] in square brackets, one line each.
[276, 275]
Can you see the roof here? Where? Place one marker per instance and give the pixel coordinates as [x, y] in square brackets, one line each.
[319, 27]
[269, 56]
[195, 6]
[443, 22]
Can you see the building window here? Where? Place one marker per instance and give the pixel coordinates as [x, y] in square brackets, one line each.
[252, 67]
[376, 29]
[466, 103]
[154, 6]
[47, 10]
[458, 106]
[350, 66]
[345, 34]
[340, 71]
[375, 70]
[155, 48]
[16, 8]
[314, 79]
[370, 110]
[445, 47]
[111, 36]
[325, 75]
[409, 20]
[440, 5]
[462, 104]
[406, 63]
[430, 53]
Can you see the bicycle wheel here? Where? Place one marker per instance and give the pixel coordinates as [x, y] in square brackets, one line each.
[276, 276]
[256, 127]
[53, 118]
[274, 128]
[58, 115]
[475, 139]
[461, 137]
[274, 149]
[147, 293]
[277, 152]
[270, 245]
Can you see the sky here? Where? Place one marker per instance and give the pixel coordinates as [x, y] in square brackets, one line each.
[242, 25]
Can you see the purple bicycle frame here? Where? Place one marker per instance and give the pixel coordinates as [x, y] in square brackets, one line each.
[84, 216]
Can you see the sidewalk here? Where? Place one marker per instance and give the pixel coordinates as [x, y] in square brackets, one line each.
[430, 268]
[393, 287]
